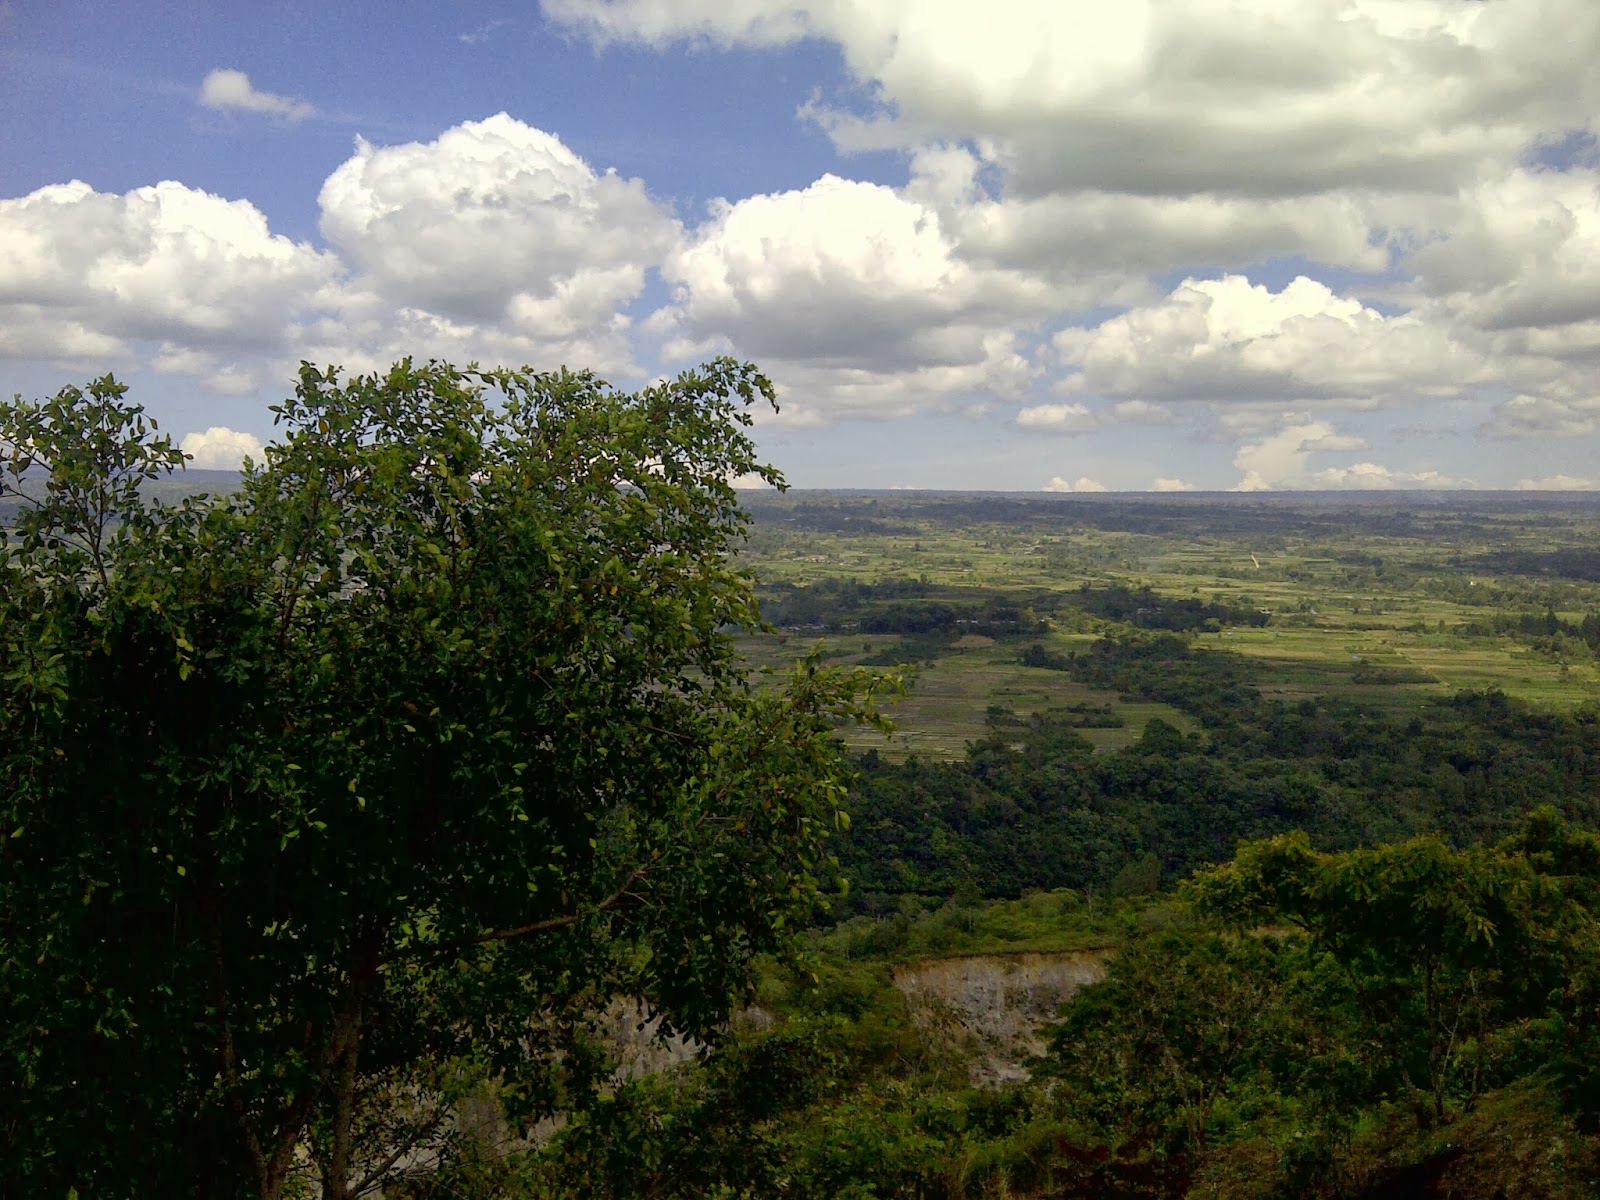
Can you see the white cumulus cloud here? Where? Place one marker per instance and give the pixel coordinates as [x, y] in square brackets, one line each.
[1066, 160]
[1059, 483]
[1229, 341]
[1283, 461]
[225, 89]
[851, 291]
[1088, 149]
[1100, 108]
[1375, 476]
[1249, 95]
[1059, 418]
[1279, 460]
[220, 448]
[1518, 251]
[1104, 240]
[88, 277]
[1171, 485]
[494, 241]
[1547, 417]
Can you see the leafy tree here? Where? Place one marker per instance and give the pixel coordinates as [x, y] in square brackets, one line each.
[1175, 1029]
[328, 801]
[1440, 946]
[1418, 995]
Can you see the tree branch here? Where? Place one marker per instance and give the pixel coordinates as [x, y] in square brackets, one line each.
[549, 923]
[343, 1119]
[533, 928]
[211, 920]
[346, 1032]
[379, 1173]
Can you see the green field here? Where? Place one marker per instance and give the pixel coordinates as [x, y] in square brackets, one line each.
[1382, 600]
[948, 698]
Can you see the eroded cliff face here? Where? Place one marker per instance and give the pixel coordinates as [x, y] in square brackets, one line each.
[995, 1005]
[636, 1043]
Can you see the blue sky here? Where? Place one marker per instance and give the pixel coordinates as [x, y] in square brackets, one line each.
[1029, 244]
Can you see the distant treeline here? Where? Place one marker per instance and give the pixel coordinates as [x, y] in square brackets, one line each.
[1033, 806]
[1569, 563]
[904, 606]
[829, 517]
[916, 607]
[1463, 516]
[1145, 609]
[1543, 627]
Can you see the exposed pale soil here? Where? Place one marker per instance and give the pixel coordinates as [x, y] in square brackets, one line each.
[996, 1004]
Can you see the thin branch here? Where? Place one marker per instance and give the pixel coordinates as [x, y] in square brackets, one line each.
[534, 928]
[290, 597]
[379, 1173]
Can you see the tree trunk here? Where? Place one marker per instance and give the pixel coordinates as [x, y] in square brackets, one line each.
[344, 1107]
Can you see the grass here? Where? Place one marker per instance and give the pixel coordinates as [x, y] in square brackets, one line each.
[1322, 661]
[1046, 922]
[947, 703]
[1363, 591]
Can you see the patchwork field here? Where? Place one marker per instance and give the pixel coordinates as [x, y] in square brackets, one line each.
[949, 696]
[1385, 600]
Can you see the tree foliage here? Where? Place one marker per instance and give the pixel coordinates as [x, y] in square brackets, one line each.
[324, 802]
[1352, 1024]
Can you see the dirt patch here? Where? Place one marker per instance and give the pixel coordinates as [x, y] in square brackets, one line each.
[996, 1005]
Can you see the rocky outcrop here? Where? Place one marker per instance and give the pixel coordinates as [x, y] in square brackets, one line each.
[995, 1005]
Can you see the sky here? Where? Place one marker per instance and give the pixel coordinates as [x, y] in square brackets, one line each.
[1066, 245]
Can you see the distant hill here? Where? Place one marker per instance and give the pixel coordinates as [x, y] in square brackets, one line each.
[191, 482]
